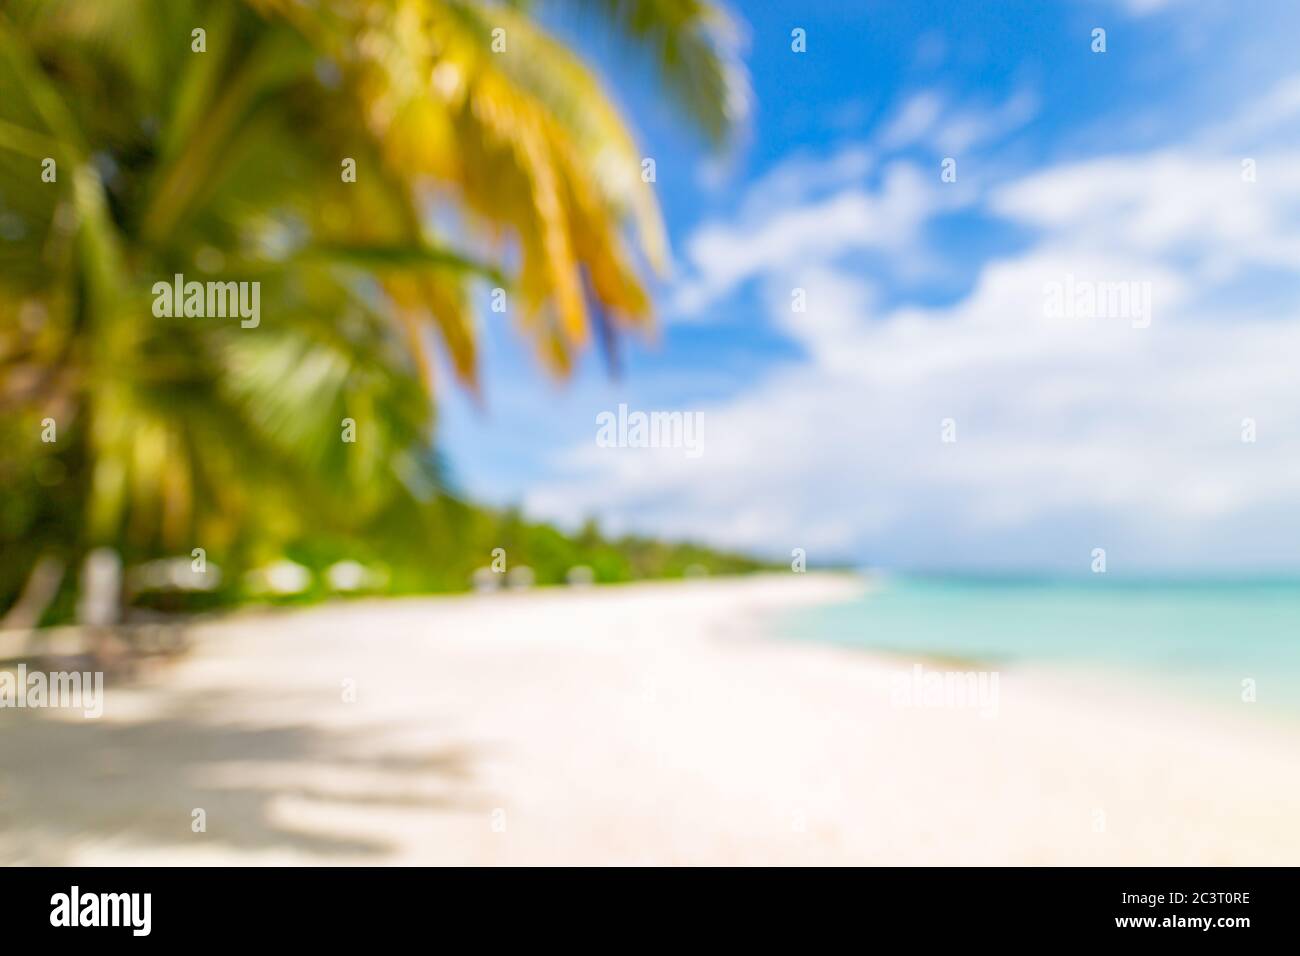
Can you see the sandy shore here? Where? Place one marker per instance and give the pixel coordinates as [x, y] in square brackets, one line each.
[642, 724]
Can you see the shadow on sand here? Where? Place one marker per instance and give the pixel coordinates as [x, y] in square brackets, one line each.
[67, 782]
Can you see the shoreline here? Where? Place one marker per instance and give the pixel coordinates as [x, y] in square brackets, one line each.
[1192, 691]
[650, 723]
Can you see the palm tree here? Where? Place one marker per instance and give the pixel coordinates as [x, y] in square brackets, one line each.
[371, 164]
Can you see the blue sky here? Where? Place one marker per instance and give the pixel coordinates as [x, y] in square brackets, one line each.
[925, 299]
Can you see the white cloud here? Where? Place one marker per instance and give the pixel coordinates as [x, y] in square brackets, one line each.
[963, 130]
[1272, 115]
[1072, 433]
[1165, 203]
[780, 239]
[816, 210]
[1145, 8]
[915, 120]
[927, 120]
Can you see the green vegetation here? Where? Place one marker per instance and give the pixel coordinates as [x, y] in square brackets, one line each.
[214, 139]
[547, 553]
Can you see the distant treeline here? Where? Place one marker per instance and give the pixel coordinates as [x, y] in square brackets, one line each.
[464, 545]
[496, 543]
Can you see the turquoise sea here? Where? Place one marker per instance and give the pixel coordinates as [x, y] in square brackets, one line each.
[1198, 638]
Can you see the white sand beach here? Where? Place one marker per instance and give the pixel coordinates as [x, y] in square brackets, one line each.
[644, 724]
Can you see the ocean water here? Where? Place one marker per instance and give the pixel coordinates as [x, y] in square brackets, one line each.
[1195, 638]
